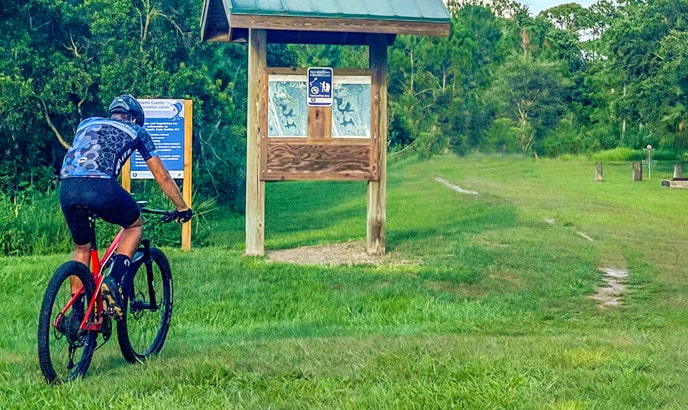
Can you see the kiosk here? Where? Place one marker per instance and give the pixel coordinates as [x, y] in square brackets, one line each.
[332, 134]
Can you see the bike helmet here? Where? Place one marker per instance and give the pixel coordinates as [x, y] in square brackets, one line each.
[129, 104]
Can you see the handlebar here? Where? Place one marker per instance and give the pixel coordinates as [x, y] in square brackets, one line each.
[167, 216]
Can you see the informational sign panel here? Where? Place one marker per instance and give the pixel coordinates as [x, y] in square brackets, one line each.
[170, 124]
[319, 87]
[165, 124]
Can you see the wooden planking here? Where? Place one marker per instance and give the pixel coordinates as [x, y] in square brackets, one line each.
[126, 175]
[263, 121]
[319, 123]
[375, 91]
[307, 141]
[291, 23]
[303, 71]
[215, 21]
[317, 162]
[681, 184]
[319, 156]
[323, 22]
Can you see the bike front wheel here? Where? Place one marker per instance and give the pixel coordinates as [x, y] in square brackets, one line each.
[148, 304]
[65, 350]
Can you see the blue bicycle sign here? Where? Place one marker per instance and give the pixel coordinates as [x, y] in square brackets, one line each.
[319, 87]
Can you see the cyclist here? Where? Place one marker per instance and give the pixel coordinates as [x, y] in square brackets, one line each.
[89, 178]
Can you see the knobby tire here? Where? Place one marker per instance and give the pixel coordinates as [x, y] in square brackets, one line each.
[142, 331]
[64, 352]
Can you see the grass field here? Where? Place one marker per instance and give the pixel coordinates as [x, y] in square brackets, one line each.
[485, 302]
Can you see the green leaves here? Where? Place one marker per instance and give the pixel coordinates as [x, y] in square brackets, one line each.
[648, 46]
[62, 61]
[502, 81]
[531, 94]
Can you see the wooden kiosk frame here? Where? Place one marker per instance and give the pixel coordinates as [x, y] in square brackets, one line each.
[318, 156]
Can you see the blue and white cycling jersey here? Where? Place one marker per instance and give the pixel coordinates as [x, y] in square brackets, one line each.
[102, 146]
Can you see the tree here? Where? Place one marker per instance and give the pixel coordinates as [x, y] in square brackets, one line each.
[531, 93]
[413, 85]
[474, 47]
[62, 61]
[569, 17]
[646, 46]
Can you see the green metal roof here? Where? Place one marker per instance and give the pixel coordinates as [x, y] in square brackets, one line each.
[287, 20]
[424, 10]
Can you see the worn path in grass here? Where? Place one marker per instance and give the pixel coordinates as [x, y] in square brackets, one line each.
[613, 266]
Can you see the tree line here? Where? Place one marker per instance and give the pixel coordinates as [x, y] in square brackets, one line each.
[570, 80]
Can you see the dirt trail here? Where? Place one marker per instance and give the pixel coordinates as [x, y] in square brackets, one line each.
[335, 254]
[611, 293]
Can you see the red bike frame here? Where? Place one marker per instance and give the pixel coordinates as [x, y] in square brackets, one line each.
[97, 300]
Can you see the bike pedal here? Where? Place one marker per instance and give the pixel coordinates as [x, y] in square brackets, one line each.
[114, 312]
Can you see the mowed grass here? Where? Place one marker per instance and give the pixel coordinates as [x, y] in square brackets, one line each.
[485, 301]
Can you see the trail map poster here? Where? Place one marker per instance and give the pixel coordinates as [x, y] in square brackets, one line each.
[288, 111]
[351, 107]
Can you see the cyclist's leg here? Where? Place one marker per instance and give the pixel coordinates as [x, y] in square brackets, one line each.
[71, 202]
[81, 254]
[117, 206]
[121, 209]
[131, 238]
[128, 243]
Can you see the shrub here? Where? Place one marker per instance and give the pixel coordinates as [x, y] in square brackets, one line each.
[32, 223]
[617, 154]
[628, 154]
[165, 234]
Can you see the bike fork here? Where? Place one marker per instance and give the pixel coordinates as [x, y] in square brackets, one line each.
[142, 256]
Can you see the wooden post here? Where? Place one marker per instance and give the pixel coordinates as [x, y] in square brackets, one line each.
[255, 187]
[599, 174]
[678, 170]
[126, 175]
[188, 166]
[637, 171]
[377, 190]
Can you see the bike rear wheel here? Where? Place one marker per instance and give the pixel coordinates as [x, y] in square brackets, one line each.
[148, 307]
[64, 350]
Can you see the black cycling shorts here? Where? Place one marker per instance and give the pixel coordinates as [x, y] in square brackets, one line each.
[104, 197]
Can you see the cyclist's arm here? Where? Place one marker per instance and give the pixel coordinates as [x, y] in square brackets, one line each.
[166, 183]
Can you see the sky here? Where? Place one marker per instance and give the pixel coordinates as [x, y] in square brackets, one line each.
[536, 6]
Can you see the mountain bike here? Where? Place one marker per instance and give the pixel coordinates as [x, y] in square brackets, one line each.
[70, 320]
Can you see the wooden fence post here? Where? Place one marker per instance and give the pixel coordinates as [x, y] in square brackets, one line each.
[637, 171]
[678, 170]
[599, 174]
